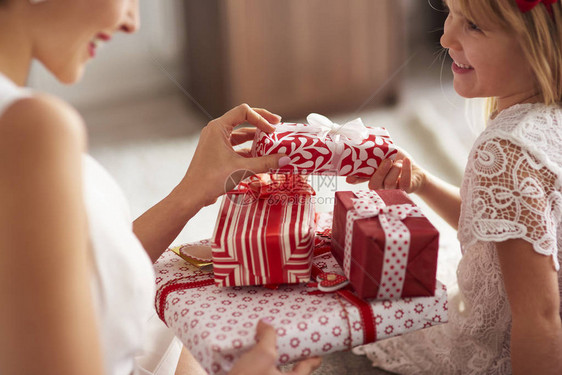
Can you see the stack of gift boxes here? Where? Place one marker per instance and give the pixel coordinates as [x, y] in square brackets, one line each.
[325, 283]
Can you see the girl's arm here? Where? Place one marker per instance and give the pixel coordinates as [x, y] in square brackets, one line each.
[212, 167]
[47, 320]
[441, 196]
[531, 283]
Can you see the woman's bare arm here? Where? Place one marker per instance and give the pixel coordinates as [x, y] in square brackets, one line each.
[47, 317]
[211, 167]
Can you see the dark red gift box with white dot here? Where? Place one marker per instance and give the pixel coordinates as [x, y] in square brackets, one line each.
[386, 259]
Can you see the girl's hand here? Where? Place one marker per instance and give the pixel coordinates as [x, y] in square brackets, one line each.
[261, 359]
[402, 173]
[212, 169]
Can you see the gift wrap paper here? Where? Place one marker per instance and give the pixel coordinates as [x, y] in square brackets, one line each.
[217, 325]
[315, 149]
[265, 238]
[384, 263]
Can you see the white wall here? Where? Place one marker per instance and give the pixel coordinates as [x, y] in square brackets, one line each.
[130, 65]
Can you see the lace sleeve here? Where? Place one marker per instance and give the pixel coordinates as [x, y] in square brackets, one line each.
[514, 195]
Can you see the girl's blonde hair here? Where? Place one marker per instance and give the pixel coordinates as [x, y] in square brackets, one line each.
[540, 33]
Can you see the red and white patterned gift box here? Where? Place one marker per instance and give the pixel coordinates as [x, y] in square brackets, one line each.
[217, 325]
[323, 147]
[265, 233]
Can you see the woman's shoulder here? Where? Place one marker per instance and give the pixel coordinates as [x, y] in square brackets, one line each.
[42, 118]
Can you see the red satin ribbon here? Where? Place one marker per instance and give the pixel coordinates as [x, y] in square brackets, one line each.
[527, 5]
[365, 310]
[263, 186]
[173, 286]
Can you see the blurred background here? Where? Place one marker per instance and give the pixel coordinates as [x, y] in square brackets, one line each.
[146, 96]
[224, 50]
[292, 57]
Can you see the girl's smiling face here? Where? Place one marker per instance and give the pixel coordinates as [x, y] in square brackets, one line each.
[488, 60]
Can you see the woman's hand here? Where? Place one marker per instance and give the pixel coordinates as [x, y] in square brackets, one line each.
[215, 168]
[261, 359]
[402, 173]
[215, 161]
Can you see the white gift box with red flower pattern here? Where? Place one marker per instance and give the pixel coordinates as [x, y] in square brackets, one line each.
[323, 147]
[218, 325]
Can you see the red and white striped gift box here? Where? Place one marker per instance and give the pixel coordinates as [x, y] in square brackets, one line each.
[264, 238]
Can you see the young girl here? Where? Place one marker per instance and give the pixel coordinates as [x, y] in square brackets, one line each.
[509, 209]
[76, 285]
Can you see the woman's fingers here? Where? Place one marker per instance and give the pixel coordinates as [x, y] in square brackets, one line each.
[266, 346]
[266, 349]
[245, 152]
[307, 366]
[272, 118]
[215, 151]
[242, 135]
[241, 114]
[261, 358]
[266, 336]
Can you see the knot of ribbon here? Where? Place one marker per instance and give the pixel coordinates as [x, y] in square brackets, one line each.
[335, 136]
[366, 208]
[354, 130]
[266, 185]
[527, 5]
[397, 239]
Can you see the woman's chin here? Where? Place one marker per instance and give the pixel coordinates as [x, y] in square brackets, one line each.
[70, 76]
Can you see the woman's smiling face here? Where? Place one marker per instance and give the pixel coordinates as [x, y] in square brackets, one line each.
[67, 32]
[488, 60]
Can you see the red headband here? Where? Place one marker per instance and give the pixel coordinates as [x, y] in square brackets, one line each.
[527, 5]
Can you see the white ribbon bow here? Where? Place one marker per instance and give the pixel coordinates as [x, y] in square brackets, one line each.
[369, 208]
[354, 130]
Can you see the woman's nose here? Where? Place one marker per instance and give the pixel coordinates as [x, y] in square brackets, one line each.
[131, 21]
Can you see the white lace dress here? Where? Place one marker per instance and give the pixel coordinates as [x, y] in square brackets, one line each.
[511, 189]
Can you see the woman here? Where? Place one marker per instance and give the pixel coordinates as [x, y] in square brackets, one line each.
[77, 286]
